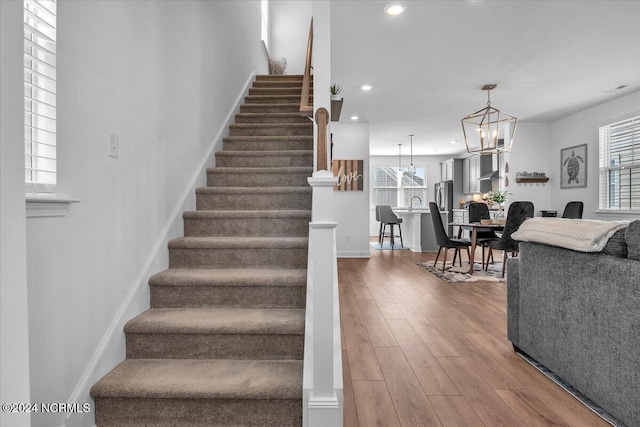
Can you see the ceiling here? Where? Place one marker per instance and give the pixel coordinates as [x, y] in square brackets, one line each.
[427, 65]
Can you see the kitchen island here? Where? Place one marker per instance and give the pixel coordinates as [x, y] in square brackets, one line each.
[417, 228]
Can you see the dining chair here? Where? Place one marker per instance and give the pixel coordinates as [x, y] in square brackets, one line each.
[380, 234]
[517, 214]
[477, 212]
[573, 210]
[445, 241]
[387, 217]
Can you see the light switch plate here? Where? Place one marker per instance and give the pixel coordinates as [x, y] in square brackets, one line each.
[113, 145]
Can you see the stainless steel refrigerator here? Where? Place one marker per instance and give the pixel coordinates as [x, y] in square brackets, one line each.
[444, 200]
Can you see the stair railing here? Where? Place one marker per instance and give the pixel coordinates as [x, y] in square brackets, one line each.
[322, 377]
[305, 108]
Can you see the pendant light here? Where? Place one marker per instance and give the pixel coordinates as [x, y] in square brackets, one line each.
[412, 169]
[489, 131]
[399, 158]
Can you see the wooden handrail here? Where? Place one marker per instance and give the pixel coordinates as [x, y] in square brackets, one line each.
[306, 109]
[322, 120]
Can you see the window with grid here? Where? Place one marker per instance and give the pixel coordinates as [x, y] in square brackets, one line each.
[395, 187]
[40, 95]
[620, 165]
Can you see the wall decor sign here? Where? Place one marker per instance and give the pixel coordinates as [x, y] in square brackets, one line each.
[350, 175]
[573, 166]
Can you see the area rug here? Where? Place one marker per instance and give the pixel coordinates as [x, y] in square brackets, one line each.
[387, 245]
[572, 391]
[461, 274]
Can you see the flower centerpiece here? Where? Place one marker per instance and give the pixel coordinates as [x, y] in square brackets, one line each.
[498, 197]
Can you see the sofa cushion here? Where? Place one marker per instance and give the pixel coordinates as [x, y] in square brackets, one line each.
[632, 237]
[617, 245]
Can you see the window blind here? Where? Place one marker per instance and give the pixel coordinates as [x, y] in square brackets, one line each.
[389, 190]
[40, 95]
[620, 165]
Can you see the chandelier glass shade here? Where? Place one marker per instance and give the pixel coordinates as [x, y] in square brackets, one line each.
[489, 130]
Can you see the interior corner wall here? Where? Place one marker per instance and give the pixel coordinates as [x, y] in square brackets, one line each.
[164, 76]
[431, 163]
[289, 32]
[351, 142]
[582, 128]
[530, 153]
[14, 321]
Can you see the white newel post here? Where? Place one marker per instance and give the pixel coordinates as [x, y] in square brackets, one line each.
[324, 407]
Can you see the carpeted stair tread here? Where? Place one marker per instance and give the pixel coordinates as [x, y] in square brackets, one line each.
[252, 190]
[269, 138]
[238, 242]
[218, 321]
[272, 170]
[244, 214]
[280, 77]
[203, 379]
[238, 277]
[283, 118]
[264, 159]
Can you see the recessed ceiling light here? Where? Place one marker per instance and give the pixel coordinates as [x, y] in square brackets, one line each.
[366, 87]
[454, 141]
[354, 117]
[394, 9]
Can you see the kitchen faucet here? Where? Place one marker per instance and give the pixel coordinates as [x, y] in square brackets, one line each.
[411, 203]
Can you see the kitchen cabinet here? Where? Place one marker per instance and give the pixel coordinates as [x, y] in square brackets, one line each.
[477, 166]
[446, 170]
[465, 176]
[459, 216]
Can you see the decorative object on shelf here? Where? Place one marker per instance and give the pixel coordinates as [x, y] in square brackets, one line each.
[335, 90]
[412, 169]
[531, 178]
[350, 175]
[278, 66]
[506, 167]
[506, 181]
[573, 166]
[336, 109]
[489, 131]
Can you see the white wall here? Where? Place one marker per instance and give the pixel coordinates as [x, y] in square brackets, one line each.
[530, 153]
[14, 321]
[351, 142]
[432, 163]
[163, 75]
[289, 25]
[581, 128]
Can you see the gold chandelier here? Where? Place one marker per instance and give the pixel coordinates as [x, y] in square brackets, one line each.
[489, 130]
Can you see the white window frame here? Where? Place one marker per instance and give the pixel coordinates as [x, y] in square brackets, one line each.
[40, 96]
[400, 194]
[625, 129]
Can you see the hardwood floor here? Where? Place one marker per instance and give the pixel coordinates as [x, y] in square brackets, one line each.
[421, 352]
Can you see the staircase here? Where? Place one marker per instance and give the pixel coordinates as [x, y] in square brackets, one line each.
[222, 344]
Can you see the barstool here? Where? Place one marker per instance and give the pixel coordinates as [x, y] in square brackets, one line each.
[387, 217]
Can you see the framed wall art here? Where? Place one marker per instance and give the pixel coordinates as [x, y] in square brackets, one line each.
[350, 175]
[573, 166]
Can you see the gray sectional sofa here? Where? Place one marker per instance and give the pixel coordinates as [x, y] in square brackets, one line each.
[578, 314]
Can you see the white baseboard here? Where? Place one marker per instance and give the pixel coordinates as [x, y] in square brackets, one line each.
[354, 254]
[115, 330]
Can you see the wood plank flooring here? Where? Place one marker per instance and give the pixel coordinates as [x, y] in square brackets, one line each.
[421, 352]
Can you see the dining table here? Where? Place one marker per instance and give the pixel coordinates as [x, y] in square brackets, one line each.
[474, 227]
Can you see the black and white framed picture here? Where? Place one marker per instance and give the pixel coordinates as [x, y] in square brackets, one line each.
[573, 166]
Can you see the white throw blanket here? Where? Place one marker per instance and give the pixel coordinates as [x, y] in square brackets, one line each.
[583, 235]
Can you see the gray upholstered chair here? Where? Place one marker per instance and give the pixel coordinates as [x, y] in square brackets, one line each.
[387, 217]
[477, 212]
[445, 241]
[517, 214]
[573, 210]
[380, 234]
